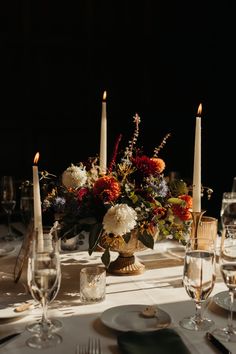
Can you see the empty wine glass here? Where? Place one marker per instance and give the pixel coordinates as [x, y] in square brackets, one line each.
[227, 261]
[8, 203]
[44, 274]
[199, 279]
[54, 325]
[228, 209]
[26, 202]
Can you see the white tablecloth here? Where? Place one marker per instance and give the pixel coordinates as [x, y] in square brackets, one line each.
[162, 286]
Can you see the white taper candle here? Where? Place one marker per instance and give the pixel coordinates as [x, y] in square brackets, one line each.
[38, 225]
[197, 164]
[103, 136]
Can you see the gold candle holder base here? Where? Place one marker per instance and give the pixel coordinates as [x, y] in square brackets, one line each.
[196, 216]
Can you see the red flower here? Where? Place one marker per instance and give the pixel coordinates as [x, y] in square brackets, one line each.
[145, 166]
[161, 212]
[107, 188]
[81, 193]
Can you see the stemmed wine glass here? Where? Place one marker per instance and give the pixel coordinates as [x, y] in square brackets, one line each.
[227, 261]
[228, 209]
[54, 325]
[199, 279]
[26, 202]
[8, 202]
[44, 274]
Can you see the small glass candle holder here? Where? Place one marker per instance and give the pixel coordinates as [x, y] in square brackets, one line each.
[92, 284]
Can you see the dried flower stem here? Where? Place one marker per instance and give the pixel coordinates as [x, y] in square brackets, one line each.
[129, 149]
[162, 144]
[114, 155]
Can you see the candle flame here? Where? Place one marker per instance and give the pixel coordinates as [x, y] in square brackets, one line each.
[199, 111]
[104, 96]
[36, 158]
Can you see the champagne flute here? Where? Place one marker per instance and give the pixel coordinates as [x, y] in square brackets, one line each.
[227, 261]
[44, 274]
[8, 203]
[199, 279]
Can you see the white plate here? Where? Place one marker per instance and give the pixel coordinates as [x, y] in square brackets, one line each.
[9, 312]
[222, 299]
[129, 318]
[6, 249]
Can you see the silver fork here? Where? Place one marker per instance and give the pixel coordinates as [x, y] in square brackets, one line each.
[81, 349]
[94, 346]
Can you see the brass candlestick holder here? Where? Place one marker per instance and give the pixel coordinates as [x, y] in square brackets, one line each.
[196, 216]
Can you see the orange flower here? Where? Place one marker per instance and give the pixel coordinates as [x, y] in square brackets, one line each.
[188, 200]
[107, 188]
[160, 164]
[183, 211]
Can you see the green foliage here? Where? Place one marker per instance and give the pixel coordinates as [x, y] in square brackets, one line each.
[106, 258]
[94, 236]
[146, 239]
[178, 187]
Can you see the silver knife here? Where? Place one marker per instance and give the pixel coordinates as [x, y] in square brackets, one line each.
[7, 338]
[220, 346]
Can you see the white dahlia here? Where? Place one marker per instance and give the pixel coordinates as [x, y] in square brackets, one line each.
[74, 177]
[119, 219]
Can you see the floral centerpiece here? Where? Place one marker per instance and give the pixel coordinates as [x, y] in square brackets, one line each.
[134, 194]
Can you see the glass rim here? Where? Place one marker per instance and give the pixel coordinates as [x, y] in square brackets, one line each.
[93, 269]
[229, 194]
[206, 218]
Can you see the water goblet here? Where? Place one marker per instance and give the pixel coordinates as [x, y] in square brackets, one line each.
[44, 273]
[227, 261]
[8, 203]
[199, 279]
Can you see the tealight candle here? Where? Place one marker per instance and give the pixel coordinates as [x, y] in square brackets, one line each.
[197, 164]
[103, 136]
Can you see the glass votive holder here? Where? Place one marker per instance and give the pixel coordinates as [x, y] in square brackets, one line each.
[92, 284]
[208, 228]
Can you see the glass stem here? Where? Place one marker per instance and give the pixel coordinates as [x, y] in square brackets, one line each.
[45, 311]
[230, 315]
[198, 313]
[44, 320]
[9, 223]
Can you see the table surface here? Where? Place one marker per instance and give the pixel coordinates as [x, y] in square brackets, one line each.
[160, 284]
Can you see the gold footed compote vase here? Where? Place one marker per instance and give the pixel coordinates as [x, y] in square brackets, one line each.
[127, 263]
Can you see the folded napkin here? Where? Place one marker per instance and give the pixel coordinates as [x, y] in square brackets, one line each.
[163, 341]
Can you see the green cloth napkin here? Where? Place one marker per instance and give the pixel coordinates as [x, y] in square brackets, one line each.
[163, 341]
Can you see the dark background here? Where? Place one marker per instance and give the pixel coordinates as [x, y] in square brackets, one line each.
[157, 58]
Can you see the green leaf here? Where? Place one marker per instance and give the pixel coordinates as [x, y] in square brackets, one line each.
[87, 221]
[146, 239]
[126, 237]
[106, 257]
[94, 236]
[68, 233]
[175, 201]
[178, 187]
